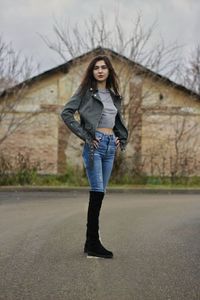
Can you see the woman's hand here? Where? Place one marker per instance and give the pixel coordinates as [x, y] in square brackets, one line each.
[96, 142]
[117, 142]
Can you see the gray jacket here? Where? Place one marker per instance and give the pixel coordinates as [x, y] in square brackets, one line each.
[90, 108]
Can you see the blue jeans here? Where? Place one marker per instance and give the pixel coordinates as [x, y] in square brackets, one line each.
[99, 174]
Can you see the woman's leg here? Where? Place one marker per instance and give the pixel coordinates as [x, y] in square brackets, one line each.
[94, 171]
[99, 174]
[108, 160]
[93, 245]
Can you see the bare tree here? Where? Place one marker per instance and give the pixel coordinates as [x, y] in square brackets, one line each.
[190, 75]
[14, 68]
[136, 43]
[185, 146]
[174, 154]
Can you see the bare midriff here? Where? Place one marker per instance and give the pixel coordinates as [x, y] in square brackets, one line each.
[105, 130]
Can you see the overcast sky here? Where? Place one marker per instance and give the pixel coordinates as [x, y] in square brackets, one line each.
[21, 21]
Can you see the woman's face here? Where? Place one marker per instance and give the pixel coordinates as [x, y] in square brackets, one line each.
[100, 71]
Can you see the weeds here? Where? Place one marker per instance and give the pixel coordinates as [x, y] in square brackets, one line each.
[21, 171]
[24, 172]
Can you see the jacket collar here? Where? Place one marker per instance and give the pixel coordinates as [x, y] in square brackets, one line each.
[93, 90]
[111, 91]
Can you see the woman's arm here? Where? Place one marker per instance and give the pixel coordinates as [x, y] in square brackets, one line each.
[68, 117]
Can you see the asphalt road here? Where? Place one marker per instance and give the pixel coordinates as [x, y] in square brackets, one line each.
[155, 240]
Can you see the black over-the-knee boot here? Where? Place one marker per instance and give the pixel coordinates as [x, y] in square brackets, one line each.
[93, 246]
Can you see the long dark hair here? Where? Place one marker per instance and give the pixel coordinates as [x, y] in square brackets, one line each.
[90, 82]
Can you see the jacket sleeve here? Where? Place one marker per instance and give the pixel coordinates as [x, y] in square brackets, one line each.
[68, 117]
[122, 139]
[120, 130]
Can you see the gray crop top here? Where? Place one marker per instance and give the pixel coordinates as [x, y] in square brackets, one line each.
[109, 111]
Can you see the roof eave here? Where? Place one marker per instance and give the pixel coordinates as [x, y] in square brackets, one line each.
[66, 66]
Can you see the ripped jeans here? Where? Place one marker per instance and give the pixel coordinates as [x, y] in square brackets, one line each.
[99, 174]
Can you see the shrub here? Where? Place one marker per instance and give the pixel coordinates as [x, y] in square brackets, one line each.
[21, 171]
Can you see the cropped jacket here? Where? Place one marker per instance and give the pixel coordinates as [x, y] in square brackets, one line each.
[90, 109]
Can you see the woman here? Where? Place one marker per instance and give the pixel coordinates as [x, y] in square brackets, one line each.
[101, 127]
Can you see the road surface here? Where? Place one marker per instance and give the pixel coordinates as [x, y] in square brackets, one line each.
[155, 239]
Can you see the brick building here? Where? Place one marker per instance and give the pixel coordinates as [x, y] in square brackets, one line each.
[163, 119]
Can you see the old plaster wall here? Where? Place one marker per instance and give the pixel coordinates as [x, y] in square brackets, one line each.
[155, 113]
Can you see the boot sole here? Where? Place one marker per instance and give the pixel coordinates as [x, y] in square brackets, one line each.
[95, 255]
